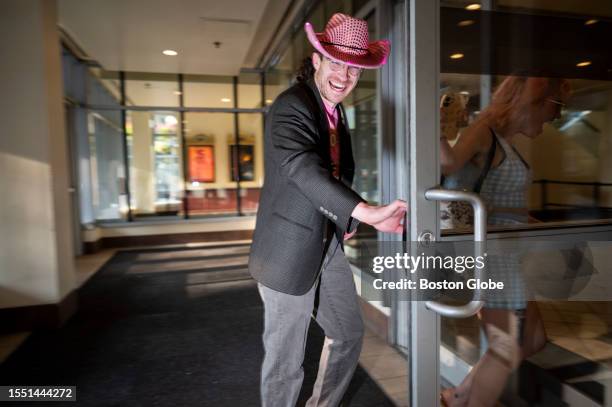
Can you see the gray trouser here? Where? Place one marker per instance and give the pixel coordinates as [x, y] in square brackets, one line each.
[287, 318]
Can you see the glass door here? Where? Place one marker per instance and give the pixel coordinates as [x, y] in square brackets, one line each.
[522, 93]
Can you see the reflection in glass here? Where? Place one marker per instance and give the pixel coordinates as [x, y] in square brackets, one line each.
[547, 71]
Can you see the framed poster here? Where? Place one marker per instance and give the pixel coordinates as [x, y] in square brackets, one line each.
[246, 158]
[201, 163]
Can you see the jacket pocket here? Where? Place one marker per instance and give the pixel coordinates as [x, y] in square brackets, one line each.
[288, 228]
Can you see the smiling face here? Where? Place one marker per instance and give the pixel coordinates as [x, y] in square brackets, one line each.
[334, 80]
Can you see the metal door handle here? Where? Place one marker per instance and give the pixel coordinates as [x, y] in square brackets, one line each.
[480, 236]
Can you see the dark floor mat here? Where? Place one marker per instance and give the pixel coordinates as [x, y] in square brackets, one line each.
[164, 338]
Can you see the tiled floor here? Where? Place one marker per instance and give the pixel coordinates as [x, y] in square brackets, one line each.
[584, 328]
[386, 366]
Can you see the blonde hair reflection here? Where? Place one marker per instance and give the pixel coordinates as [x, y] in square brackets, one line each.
[517, 96]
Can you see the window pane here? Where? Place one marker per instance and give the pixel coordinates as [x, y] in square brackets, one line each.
[249, 90]
[280, 76]
[103, 88]
[208, 91]
[151, 89]
[251, 160]
[156, 181]
[210, 188]
[107, 165]
[555, 123]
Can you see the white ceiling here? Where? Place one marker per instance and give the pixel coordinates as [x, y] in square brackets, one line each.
[130, 35]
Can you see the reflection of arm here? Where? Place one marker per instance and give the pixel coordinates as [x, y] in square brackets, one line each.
[473, 140]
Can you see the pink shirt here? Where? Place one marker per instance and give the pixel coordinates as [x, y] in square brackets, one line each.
[334, 140]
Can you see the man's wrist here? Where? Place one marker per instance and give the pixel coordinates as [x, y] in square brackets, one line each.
[359, 211]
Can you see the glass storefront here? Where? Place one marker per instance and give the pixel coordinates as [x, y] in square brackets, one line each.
[183, 158]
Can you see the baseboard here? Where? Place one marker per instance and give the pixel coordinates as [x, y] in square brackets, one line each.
[37, 317]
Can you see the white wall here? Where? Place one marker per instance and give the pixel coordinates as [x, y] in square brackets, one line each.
[36, 245]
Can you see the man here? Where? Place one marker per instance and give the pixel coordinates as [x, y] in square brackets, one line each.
[307, 209]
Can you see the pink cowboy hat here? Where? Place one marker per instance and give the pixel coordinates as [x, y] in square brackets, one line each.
[346, 40]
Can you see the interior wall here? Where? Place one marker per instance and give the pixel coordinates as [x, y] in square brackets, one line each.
[36, 248]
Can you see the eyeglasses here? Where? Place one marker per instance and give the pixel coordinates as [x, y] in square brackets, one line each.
[558, 104]
[335, 66]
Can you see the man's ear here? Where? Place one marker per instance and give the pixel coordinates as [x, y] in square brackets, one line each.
[316, 60]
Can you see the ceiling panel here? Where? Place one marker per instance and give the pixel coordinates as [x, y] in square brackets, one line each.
[130, 35]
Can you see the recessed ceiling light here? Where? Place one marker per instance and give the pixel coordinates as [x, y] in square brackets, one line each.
[582, 64]
[591, 21]
[473, 6]
[456, 56]
[465, 23]
[226, 100]
[169, 52]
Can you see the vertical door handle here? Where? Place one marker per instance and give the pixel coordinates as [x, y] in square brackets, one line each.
[480, 238]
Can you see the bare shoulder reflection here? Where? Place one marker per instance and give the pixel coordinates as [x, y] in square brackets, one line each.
[483, 159]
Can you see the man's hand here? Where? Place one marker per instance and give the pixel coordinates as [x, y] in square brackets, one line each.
[388, 218]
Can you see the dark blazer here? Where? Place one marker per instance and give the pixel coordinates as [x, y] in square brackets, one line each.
[300, 196]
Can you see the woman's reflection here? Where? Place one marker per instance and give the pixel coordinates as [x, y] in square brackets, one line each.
[484, 160]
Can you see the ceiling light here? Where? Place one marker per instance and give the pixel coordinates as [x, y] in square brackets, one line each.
[465, 23]
[456, 56]
[582, 64]
[169, 52]
[464, 92]
[226, 100]
[178, 92]
[268, 101]
[591, 22]
[473, 6]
